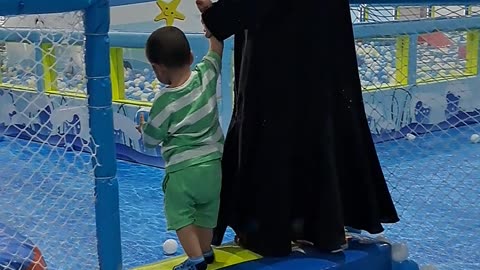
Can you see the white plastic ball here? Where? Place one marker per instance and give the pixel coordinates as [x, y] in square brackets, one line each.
[475, 138]
[146, 70]
[428, 267]
[31, 83]
[410, 137]
[138, 75]
[137, 81]
[170, 247]
[142, 78]
[399, 252]
[62, 85]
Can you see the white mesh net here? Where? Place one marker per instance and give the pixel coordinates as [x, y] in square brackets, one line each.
[421, 100]
[47, 210]
[421, 97]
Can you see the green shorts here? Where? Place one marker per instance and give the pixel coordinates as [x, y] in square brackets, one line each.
[192, 196]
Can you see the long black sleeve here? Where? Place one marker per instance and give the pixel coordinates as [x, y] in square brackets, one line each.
[228, 17]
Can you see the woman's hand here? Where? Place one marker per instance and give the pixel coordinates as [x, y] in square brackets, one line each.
[203, 5]
[207, 32]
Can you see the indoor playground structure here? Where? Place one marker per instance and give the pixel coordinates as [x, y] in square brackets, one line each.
[79, 190]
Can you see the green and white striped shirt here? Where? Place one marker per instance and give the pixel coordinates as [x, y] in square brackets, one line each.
[184, 120]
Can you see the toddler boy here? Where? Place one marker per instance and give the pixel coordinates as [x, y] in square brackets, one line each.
[184, 121]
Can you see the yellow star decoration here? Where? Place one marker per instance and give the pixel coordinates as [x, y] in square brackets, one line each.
[169, 12]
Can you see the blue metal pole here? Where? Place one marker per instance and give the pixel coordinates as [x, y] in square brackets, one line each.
[22, 7]
[414, 2]
[97, 63]
[397, 28]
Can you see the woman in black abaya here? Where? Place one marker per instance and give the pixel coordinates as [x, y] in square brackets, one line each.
[299, 161]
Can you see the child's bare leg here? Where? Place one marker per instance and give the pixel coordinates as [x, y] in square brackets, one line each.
[190, 241]
[205, 237]
[191, 244]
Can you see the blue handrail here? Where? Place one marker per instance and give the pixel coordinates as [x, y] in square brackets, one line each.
[23, 7]
[364, 30]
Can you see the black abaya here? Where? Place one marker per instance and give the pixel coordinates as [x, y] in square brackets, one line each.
[299, 161]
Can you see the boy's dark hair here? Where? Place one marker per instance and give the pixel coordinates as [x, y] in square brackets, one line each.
[168, 46]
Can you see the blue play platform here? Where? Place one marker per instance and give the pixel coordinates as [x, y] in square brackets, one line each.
[360, 255]
[357, 257]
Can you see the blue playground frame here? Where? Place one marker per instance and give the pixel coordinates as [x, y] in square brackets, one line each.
[97, 59]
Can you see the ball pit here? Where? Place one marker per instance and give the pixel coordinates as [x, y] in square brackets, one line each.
[141, 85]
[377, 61]
[376, 66]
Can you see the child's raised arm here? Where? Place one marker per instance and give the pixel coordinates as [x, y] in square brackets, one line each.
[213, 60]
[216, 46]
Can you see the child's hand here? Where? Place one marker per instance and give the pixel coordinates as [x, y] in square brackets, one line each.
[141, 124]
[203, 5]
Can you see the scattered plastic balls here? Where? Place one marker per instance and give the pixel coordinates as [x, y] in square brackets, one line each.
[433, 62]
[410, 137]
[475, 138]
[170, 247]
[141, 85]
